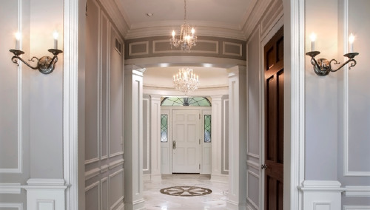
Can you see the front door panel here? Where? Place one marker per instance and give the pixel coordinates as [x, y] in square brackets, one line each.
[185, 145]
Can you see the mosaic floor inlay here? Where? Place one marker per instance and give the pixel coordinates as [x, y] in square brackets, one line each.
[186, 191]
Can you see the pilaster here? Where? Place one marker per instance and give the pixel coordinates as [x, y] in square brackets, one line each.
[133, 134]
[155, 117]
[237, 138]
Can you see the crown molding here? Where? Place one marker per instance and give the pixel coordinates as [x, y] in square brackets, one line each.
[255, 16]
[164, 28]
[117, 15]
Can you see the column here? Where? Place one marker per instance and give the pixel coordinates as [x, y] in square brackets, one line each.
[133, 134]
[216, 139]
[237, 138]
[155, 116]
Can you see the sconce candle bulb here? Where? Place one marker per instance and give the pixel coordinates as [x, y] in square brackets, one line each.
[313, 39]
[17, 39]
[55, 35]
[351, 39]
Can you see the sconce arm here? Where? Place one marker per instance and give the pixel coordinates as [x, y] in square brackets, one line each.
[353, 63]
[15, 57]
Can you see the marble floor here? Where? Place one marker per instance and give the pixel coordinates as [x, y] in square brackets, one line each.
[154, 200]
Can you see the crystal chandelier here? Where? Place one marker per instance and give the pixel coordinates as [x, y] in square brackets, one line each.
[186, 81]
[186, 39]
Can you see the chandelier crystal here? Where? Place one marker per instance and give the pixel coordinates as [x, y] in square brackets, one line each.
[185, 80]
[186, 39]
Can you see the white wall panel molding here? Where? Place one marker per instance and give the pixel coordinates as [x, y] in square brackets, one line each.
[318, 194]
[115, 154]
[147, 135]
[354, 207]
[18, 168]
[92, 173]
[253, 165]
[194, 50]
[10, 188]
[272, 16]
[116, 163]
[46, 194]
[357, 191]
[347, 171]
[18, 206]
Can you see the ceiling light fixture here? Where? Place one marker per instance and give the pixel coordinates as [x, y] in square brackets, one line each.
[185, 80]
[186, 38]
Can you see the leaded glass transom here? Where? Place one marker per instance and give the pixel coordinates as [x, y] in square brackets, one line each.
[186, 101]
[164, 128]
[207, 128]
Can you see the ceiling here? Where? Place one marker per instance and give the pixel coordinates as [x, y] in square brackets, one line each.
[161, 77]
[213, 11]
[225, 18]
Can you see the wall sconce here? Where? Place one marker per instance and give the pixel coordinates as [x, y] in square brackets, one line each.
[322, 66]
[45, 64]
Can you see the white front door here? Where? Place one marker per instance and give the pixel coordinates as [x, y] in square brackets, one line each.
[185, 141]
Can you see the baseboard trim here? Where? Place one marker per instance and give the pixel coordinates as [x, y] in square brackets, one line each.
[220, 178]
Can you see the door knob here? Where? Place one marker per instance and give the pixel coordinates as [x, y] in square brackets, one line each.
[174, 145]
[264, 166]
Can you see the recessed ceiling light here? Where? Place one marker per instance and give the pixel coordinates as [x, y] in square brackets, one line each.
[149, 14]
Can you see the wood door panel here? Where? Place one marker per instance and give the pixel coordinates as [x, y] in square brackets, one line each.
[274, 121]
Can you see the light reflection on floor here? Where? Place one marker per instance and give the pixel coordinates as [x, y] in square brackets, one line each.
[154, 200]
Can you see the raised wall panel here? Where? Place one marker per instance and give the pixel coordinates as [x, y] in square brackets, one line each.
[10, 91]
[92, 82]
[104, 194]
[146, 135]
[116, 98]
[203, 46]
[138, 48]
[115, 189]
[92, 196]
[225, 136]
[253, 188]
[105, 82]
[234, 49]
[11, 206]
[356, 98]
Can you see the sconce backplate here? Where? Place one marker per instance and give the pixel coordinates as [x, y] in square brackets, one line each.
[323, 67]
[44, 65]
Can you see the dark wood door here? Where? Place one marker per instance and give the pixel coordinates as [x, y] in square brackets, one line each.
[274, 121]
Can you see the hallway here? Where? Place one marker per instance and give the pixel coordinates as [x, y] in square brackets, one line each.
[154, 200]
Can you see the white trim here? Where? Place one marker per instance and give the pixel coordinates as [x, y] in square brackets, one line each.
[116, 163]
[119, 201]
[115, 173]
[320, 185]
[93, 185]
[46, 182]
[116, 154]
[102, 181]
[19, 206]
[138, 43]
[93, 160]
[253, 155]
[353, 207]
[235, 44]
[253, 165]
[294, 114]
[92, 173]
[148, 134]
[70, 104]
[49, 201]
[248, 198]
[10, 188]
[224, 139]
[347, 171]
[357, 191]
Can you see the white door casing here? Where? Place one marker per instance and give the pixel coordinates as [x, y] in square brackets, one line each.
[186, 141]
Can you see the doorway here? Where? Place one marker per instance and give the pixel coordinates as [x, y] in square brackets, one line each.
[274, 121]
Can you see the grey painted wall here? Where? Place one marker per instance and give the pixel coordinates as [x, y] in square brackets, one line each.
[103, 111]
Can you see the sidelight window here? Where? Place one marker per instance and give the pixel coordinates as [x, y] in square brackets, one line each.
[207, 128]
[164, 128]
